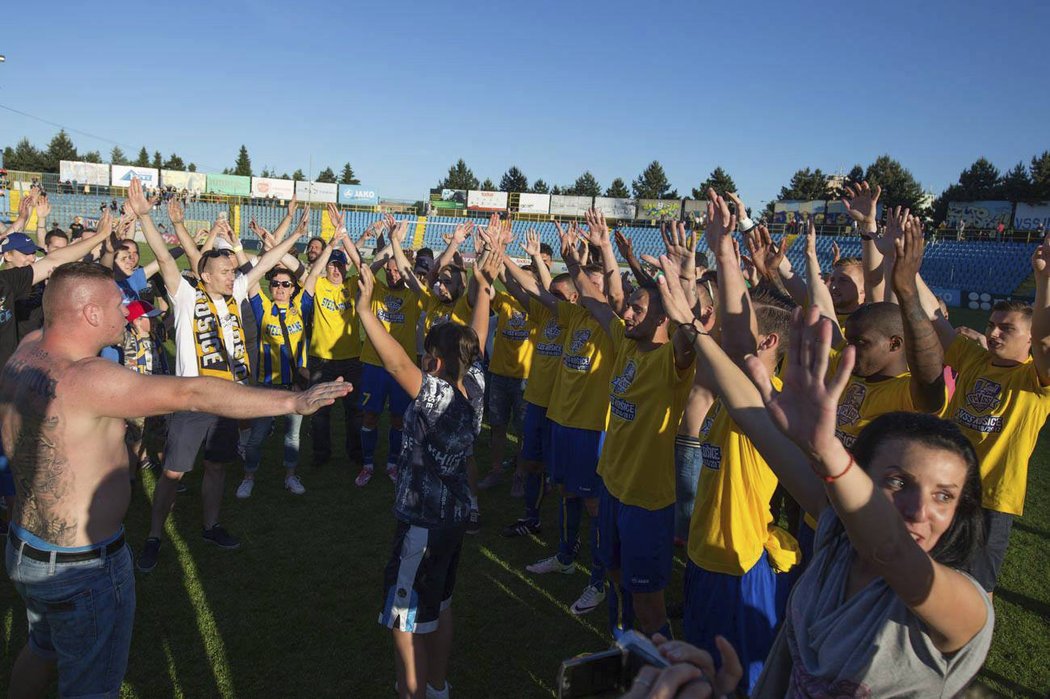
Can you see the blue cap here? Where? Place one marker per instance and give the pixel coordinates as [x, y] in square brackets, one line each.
[339, 257]
[20, 242]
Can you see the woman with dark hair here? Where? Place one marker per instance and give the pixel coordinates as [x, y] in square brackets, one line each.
[884, 608]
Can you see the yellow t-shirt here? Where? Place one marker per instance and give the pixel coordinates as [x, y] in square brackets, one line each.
[647, 397]
[731, 520]
[437, 312]
[398, 311]
[546, 337]
[277, 362]
[1001, 411]
[335, 333]
[511, 349]
[580, 398]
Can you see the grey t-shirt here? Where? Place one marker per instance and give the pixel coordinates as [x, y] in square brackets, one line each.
[871, 645]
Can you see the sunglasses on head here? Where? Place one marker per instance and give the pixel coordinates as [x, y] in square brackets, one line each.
[217, 253]
[283, 285]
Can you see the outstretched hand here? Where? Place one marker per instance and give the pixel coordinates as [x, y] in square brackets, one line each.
[137, 201]
[366, 283]
[316, 397]
[176, 212]
[862, 202]
[673, 295]
[720, 224]
[1041, 258]
[766, 256]
[909, 246]
[597, 230]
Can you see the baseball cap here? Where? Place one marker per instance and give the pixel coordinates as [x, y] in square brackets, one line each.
[338, 256]
[137, 309]
[424, 264]
[20, 242]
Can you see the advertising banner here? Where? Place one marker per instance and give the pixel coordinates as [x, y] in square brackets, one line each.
[237, 185]
[835, 214]
[316, 191]
[694, 208]
[270, 188]
[534, 203]
[358, 195]
[952, 297]
[652, 209]
[83, 173]
[1029, 217]
[121, 176]
[615, 208]
[786, 211]
[194, 182]
[448, 198]
[486, 201]
[569, 205]
[979, 214]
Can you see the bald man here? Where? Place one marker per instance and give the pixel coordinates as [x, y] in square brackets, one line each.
[62, 413]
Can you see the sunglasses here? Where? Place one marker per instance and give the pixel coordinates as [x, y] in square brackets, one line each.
[217, 253]
[283, 285]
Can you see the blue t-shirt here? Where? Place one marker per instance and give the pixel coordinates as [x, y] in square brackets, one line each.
[131, 287]
[440, 427]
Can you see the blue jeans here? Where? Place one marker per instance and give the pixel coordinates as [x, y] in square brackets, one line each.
[687, 464]
[80, 615]
[261, 428]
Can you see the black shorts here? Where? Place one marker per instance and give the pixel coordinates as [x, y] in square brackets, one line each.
[418, 582]
[988, 562]
[187, 431]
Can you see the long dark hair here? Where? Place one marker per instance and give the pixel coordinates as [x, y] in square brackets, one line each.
[965, 536]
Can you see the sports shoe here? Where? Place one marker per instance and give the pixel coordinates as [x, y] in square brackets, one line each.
[491, 480]
[517, 485]
[439, 694]
[591, 597]
[221, 538]
[147, 559]
[244, 490]
[363, 477]
[523, 527]
[391, 472]
[551, 565]
[294, 485]
[474, 523]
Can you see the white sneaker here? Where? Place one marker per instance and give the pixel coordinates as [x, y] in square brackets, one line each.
[551, 565]
[244, 490]
[391, 472]
[293, 484]
[592, 596]
[436, 694]
[363, 477]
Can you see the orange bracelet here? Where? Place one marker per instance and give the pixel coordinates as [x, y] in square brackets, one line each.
[832, 479]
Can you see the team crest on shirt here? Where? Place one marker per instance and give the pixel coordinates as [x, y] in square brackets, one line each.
[986, 395]
[393, 303]
[440, 320]
[579, 339]
[552, 330]
[515, 328]
[621, 383]
[849, 406]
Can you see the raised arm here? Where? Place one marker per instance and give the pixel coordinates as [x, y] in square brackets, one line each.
[921, 345]
[486, 269]
[25, 210]
[395, 360]
[598, 236]
[947, 602]
[43, 267]
[735, 313]
[459, 236]
[862, 205]
[533, 250]
[43, 210]
[319, 265]
[626, 248]
[398, 231]
[817, 290]
[178, 221]
[590, 297]
[271, 257]
[1041, 312]
[531, 286]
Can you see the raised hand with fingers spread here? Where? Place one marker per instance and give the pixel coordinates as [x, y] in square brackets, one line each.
[176, 213]
[862, 205]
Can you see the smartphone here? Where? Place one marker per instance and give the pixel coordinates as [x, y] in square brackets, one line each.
[593, 674]
[635, 645]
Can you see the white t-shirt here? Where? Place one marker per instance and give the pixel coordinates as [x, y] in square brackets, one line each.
[182, 305]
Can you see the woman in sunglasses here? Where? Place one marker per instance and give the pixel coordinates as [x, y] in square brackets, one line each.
[281, 363]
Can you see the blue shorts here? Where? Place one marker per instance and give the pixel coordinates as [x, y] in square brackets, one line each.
[535, 434]
[740, 607]
[574, 459]
[377, 384]
[637, 542]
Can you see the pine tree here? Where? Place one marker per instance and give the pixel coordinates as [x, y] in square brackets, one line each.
[806, 185]
[326, 175]
[514, 180]
[899, 187]
[459, 177]
[158, 160]
[266, 172]
[487, 186]
[980, 181]
[719, 180]
[192, 167]
[143, 158]
[60, 148]
[117, 157]
[92, 157]
[1016, 184]
[24, 156]
[243, 165]
[856, 175]
[653, 183]
[298, 176]
[585, 186]
[540, 187]
[348, 176]
[174, 163]
[618, 189]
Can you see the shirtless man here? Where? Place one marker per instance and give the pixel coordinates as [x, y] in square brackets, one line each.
[62, 413]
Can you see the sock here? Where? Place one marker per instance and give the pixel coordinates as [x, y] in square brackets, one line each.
[395, 446]
[533, 496]
[621, 609]
[597, 569]
[569, 524]
[369, 440]
[474, 502]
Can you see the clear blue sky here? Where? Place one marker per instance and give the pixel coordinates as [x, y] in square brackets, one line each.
[401, 90]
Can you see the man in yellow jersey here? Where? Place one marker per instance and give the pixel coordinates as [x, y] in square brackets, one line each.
[1001, 401]
[329, 294]
[730, 583]
[651, 376]
[578, 411]
[546, 336]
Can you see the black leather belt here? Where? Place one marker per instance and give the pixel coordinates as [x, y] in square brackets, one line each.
[65, 556]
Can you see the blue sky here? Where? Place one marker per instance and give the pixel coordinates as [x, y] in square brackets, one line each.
[401, 90]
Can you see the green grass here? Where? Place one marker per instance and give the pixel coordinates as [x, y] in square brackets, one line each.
[293, 613]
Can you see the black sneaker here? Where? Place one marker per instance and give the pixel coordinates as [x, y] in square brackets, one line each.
[147, 559]
[523, 527]
[474, 523]
[221, 538]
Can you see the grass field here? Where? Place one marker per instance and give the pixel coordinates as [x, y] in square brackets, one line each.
[293, 613]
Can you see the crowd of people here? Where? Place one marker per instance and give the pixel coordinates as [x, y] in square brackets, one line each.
[840, 465]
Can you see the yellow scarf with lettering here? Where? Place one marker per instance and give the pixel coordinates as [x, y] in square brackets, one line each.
[214, 358]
